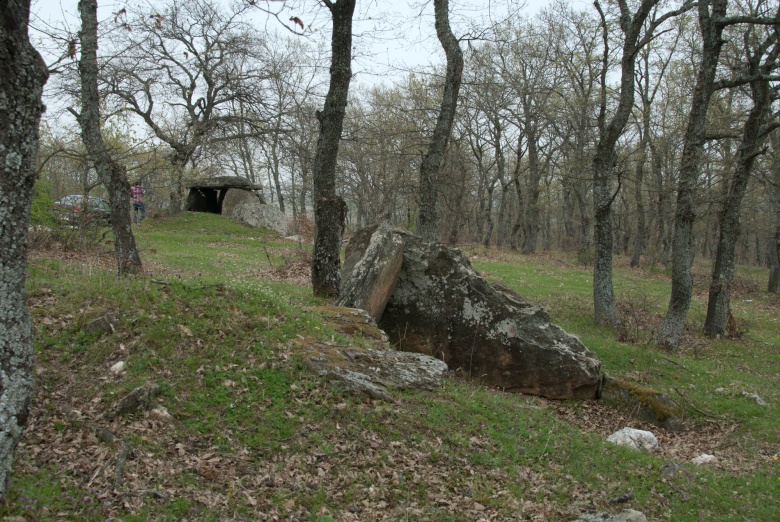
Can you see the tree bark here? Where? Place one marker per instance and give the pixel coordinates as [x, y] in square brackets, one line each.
[515, 235]
[605, 310]
[683, 242]
[22, 76]
[428, 220]
[329, 208]
[533, 213]
[773, 191]
[111, 174]
[641, 225]
[729, 227]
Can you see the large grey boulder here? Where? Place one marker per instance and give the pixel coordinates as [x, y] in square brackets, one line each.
[246, 207]
[443, 308]
[371, 269]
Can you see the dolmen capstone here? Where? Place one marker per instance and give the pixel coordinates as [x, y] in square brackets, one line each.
[433, 302]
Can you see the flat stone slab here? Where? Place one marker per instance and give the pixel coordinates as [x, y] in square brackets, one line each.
[373, 262]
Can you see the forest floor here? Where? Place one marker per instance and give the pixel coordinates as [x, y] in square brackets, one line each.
[244, 432]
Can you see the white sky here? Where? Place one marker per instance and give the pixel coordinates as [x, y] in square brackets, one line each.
[390, 37]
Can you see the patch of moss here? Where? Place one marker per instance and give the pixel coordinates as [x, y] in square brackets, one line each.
[628, 393]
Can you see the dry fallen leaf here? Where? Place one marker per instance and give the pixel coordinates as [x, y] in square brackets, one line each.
[186, 331]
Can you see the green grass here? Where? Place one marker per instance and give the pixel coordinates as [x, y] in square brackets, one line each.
[254, 434]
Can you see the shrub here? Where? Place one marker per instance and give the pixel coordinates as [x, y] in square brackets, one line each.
[42, 202]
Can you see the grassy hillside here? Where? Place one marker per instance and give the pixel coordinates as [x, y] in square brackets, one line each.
[252, 435]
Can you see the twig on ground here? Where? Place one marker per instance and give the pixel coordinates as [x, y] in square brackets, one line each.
[159, 282]
[689, 403]
[678, 364]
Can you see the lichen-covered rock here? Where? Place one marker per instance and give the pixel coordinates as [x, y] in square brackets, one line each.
[353, 322]
[371, 269]
[368, 371]
[105, 324]
[140, 399]
[373, 372]
[443, 308]
[642, 403]
[247, 208]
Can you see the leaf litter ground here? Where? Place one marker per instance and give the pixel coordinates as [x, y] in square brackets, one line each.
[343, 457]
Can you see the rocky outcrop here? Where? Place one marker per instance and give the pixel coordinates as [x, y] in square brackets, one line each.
[443, 308]
[373, 261]
[373, 370]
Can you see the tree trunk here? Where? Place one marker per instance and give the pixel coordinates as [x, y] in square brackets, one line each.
[22, 76]
[641, 226]
[515, 235]
[111, 174]
[329, 208]
[489, 215]
[605, 310]
[586, 236]
[178, 162]
[275, 164]
[428, 220]
[773, 245]
[683, 242]
[533, 214]
[723, 268]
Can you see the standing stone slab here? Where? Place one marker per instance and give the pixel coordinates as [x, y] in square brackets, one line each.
[442, 307]
[373, 261]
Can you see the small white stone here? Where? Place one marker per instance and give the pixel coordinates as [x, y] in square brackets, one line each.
[633, 438]
[705, 459]
[118, 367]
[161, 412]
[755, 397]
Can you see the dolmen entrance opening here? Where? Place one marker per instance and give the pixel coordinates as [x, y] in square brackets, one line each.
[209, 195]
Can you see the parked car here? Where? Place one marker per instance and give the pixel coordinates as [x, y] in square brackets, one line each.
[88, 208]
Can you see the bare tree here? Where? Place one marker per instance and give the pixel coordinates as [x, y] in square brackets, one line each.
[712, 22]
[22, 76]
[428, 222]
[761, 59]
[184, 68]
[111, 173]
[648, 83]
[636, 34]
[329, 208]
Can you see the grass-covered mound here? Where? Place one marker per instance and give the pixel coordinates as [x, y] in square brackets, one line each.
[252, 435]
